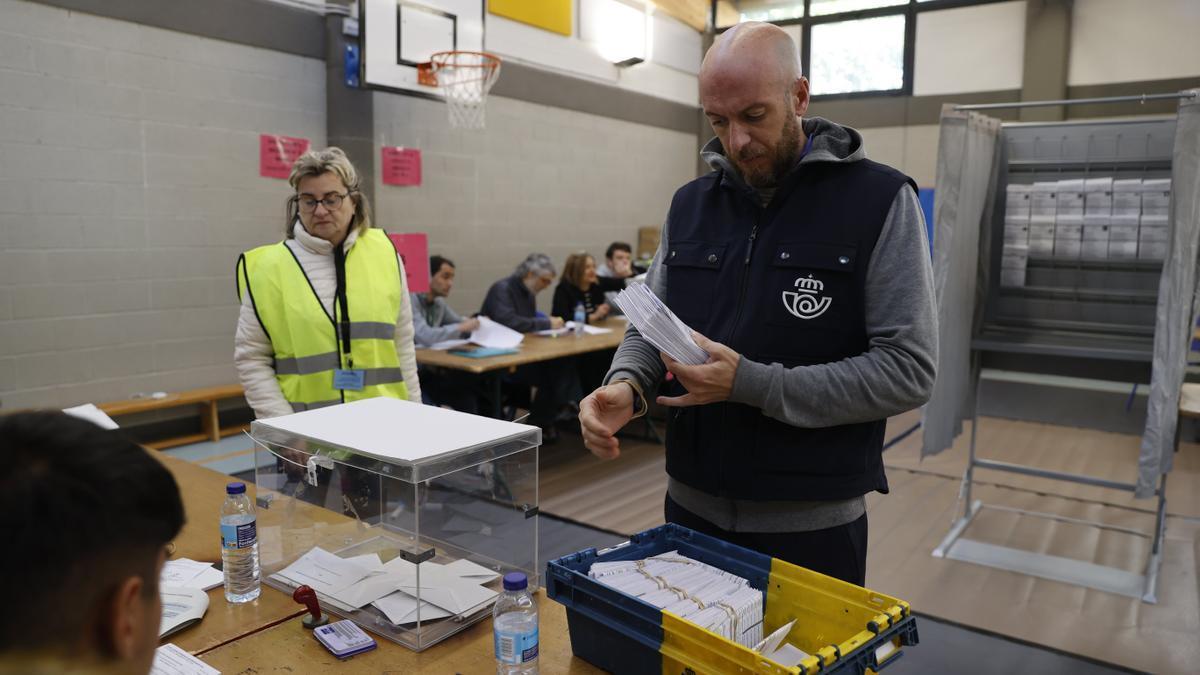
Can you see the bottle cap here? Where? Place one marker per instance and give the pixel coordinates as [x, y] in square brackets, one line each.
[515, 581]
[235, 489]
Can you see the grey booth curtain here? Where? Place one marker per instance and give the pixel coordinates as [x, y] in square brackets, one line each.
[967, 173]
[1177, 302]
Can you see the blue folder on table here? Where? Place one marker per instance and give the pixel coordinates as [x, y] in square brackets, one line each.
[483, 352]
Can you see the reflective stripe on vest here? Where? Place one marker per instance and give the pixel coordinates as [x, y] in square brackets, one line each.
[303, 334]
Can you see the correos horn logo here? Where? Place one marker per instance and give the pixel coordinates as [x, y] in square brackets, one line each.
[806, 301]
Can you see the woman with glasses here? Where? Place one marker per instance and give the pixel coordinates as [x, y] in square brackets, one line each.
[325, 315]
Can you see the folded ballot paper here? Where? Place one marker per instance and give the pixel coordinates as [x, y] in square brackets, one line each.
[353, 583]
[658, 324]
[711, 598]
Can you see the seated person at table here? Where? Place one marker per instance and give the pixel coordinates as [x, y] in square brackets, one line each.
[90, 515]
[434, 322]
[618, 263]
[512, 301]
[581, 286]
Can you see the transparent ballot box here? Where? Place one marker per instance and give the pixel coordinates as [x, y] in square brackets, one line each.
[401, 516]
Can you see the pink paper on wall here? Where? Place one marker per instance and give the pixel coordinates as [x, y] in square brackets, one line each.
[401, 166]
[276, 154]
[414, 251]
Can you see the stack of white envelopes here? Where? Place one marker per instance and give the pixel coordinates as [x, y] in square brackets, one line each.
[712, 598]
[658, 324]
[348, 584]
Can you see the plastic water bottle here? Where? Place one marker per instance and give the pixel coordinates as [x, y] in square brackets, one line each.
[580, 319]
[239, 545]
[515, 628]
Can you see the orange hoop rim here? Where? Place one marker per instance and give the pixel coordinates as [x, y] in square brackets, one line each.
[440, 60]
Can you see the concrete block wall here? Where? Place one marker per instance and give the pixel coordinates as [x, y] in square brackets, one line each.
[128, 185]
[537, 178]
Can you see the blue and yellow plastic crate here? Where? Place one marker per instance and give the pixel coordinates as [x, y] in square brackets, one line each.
[844, 628]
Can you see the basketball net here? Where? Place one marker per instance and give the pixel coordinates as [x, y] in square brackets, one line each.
[465, 79]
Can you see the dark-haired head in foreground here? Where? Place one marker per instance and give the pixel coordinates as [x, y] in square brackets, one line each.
[87, 516]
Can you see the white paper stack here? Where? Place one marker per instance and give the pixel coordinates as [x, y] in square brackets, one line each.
[658, 324]
[185, 573]
[1016, 214]
[1013, 263]
[1127, 197]
[1152, 237]
[392, 587]
[1095, 236]
[712, 598]
[1098, 196]
[1069, 197]
[1068, 234]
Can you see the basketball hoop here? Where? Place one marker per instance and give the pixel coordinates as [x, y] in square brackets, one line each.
[465, 79]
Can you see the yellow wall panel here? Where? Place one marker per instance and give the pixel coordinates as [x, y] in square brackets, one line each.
[551, 15]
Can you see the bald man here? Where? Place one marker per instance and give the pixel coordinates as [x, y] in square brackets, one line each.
[804, 269]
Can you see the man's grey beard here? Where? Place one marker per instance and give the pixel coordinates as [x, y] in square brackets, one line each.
[787, 151]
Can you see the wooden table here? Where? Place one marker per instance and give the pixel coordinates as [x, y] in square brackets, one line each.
[533, 349]
[291, 648]
[203, 492]
[265, 636]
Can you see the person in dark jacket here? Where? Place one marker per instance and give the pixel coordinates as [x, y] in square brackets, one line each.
[803, 268]
[512, 301]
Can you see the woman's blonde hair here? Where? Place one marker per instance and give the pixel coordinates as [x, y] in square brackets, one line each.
[330, 160]
[574, 268]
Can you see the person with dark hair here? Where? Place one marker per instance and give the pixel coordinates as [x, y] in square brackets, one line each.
[88, 515]
[434, 322]
[618, 263]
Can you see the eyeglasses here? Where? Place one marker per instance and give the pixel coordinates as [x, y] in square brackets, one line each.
[331, 202]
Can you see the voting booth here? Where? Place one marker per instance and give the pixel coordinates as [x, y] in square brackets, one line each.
[401, 516]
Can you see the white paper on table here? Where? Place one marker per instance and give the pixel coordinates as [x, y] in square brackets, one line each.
[368, 590]
[492, 334]
[92, 414]
[447, 590]
[370, 426]
[370, 562]
[181, 606]
[596, 330]
[180, 571]
[169, 659]
[466, 569]
[401, 608]
[191, 574]
[448, 344]
[323, 571]
[555, 332]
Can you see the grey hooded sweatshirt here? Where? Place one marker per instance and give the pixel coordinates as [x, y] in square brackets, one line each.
[894, 375]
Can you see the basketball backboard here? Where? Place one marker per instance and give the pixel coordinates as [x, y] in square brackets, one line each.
[399, 34]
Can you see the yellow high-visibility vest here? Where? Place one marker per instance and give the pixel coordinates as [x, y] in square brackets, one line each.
[305, 336]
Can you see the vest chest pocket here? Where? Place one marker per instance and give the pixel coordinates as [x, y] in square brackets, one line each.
[692, 271]
[813, 286]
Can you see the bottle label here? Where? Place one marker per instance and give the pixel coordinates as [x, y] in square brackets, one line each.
[239, 536]
[516, 648]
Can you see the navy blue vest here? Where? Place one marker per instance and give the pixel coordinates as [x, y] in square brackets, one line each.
[784, 284]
